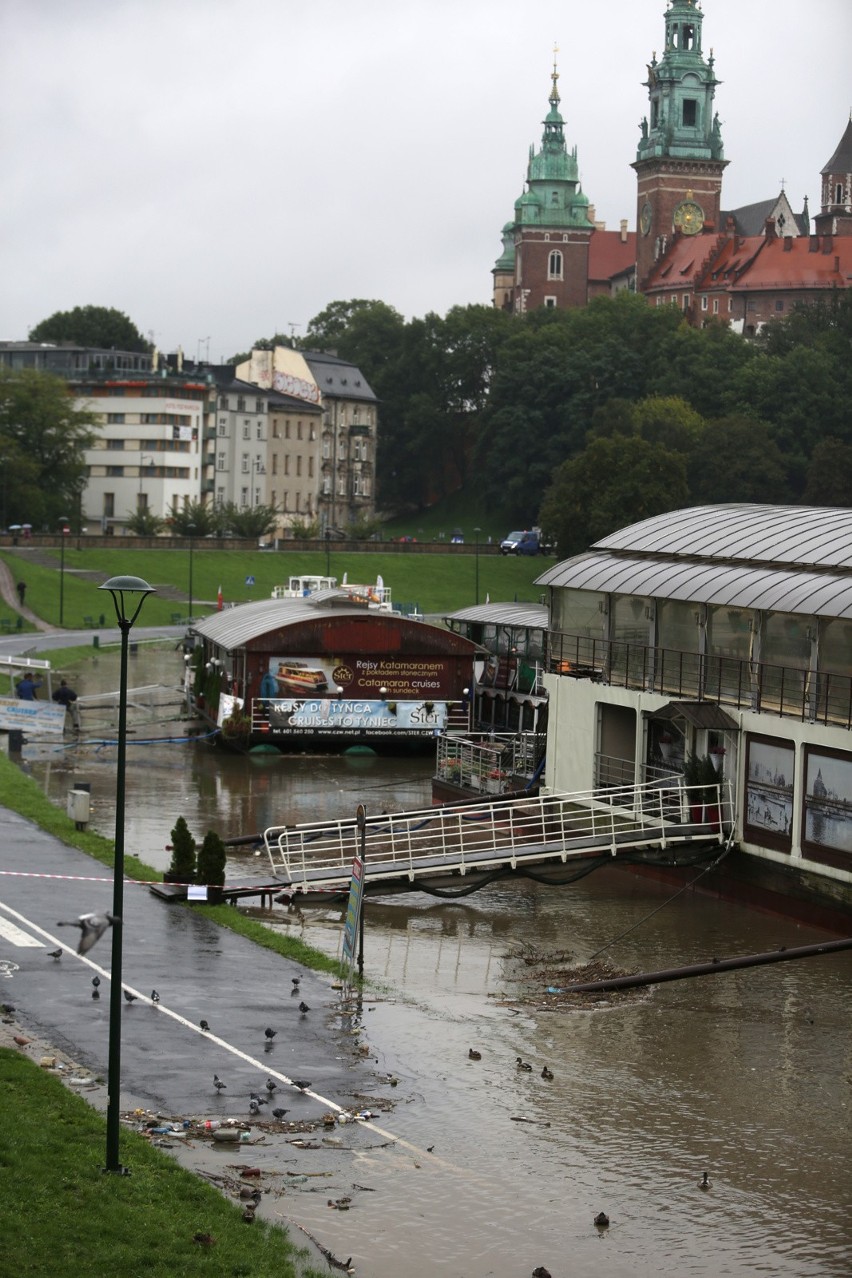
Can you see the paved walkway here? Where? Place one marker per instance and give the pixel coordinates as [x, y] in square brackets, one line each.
[201, 971]
[9, 592]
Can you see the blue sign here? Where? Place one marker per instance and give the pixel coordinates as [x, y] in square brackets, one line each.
[249, 581]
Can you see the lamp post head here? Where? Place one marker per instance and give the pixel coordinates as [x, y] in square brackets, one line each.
[118, 587]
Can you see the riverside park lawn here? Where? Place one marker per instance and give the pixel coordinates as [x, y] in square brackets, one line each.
[437, 583]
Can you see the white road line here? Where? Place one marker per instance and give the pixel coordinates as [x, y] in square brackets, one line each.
[10, 932]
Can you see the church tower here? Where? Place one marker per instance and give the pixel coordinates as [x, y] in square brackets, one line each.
[680, 159]
[546, 249]
[835, 216]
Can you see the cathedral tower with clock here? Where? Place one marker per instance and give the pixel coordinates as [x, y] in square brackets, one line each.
[680, 159]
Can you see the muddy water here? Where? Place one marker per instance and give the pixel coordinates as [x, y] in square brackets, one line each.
[745, 1075]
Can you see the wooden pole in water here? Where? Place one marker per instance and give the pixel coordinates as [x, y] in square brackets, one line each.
[708, 969]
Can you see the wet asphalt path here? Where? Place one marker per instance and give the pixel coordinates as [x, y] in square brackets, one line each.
[200, 971]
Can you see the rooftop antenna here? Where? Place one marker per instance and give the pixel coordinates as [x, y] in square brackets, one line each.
[292, 327]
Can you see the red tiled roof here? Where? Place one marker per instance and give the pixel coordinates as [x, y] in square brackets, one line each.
[777, 267]
[610, 255]
[683, 260]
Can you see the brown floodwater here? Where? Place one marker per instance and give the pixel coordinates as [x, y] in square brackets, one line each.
[746, 1075]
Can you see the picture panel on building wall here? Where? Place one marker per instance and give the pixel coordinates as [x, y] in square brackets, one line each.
[827, 819]
[770, 775]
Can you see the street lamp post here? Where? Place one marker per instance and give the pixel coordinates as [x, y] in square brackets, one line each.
[190, 528]
[63, 533]
[477, 531]
[122, 590]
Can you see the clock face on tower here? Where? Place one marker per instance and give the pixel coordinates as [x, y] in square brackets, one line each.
[645, 218]
[689, 217]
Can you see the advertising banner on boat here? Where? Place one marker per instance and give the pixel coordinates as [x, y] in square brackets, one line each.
[32, 716]
[315, 715]
[392, 677]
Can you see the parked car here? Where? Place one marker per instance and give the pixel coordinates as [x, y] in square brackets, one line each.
[521, 543]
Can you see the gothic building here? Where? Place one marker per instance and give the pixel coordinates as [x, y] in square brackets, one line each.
[742, 266]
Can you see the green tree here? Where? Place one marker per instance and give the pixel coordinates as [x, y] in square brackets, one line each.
[736, 459]
[43, 437]
[249, 521]
[144, 523]
[612, 483]
[829, 476]
[198, 519]
[101, 326]
[212, 860]
[184, 848]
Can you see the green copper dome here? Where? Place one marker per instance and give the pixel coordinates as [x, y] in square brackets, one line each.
[681, 88]
[553, 197]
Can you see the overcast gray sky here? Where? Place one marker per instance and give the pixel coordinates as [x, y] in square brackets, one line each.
[222, 169]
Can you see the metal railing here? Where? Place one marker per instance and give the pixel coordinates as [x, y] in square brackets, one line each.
[813, 696]
[488, 761]
[430, 841]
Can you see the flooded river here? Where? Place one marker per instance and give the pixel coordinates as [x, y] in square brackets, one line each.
[747, 1075]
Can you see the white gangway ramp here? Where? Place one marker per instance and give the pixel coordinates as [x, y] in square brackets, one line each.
[459, 839]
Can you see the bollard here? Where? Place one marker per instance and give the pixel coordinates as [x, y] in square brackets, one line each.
[16, 741]
[96, 641]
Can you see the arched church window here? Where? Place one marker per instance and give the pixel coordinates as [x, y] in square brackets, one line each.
[838, 193]
[554, 265]
[690, 113]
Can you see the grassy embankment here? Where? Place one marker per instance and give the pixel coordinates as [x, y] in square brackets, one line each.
[436, 582]
[59, 1213]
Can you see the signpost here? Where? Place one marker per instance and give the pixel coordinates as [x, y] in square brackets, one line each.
[354, 923]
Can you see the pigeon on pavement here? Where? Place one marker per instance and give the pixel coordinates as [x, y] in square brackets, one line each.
[204, 1026]
[92, 928]
[270, 1033]
[128, 997]
[54, 954]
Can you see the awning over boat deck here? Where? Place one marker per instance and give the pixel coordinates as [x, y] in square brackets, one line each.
[701, 714]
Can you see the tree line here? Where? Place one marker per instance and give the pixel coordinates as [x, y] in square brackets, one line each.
[583, 421]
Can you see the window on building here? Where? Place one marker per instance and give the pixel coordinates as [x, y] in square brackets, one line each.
[259, 405]
[274, 464]
[220, 496]
[260, 430]
[298, 464]
[115, 419]
[715, 306]
[115, 471]
[109, 505]
[221, 461]
[286, 430]
[275, 429]
[273, 498]
[244, 496]
[326, 449]
[704, 303]
[310, 468]
[554, 265]
[779, 305]
[685, 301]
[286, 463]
[550, 301]
[244, 467]
[241, 404]
[690, 113]
[674, 299]
[730, 304]
[838, 193]
[223, 401]
[655, 112]
[223, 428]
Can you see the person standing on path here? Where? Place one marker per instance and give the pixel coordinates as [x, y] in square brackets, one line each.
[22, 590]
[67, 697]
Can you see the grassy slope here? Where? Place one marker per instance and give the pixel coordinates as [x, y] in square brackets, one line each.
[59, 1214]
[438, 583]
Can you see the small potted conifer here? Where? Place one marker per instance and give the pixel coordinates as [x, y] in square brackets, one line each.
[182, 866]
[212, 859]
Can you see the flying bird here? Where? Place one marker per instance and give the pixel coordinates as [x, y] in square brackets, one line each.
[218, 1084]
[92, 928]
[54, 954]
[204, 1026]
[128, 997]
[270, 1033]
[303, 1007]
[155, 998]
